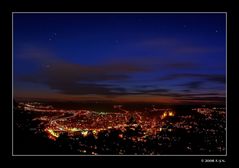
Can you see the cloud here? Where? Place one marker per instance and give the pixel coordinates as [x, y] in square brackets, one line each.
[76, 79]
[181, 65]
[193, 84]
[219, 78]
[175, 46]
[156, 62]
[197, 49]
[155, 91]
[69, 78]
[216, 78]
[204, 94]
[203, 99]
[87, 89]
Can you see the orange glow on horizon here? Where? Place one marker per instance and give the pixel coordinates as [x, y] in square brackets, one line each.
[123, 99]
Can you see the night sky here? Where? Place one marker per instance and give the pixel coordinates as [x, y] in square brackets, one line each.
[164, 58]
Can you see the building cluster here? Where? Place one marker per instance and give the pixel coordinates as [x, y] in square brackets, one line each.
[155, 131]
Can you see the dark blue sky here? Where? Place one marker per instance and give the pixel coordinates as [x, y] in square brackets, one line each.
[173, 58]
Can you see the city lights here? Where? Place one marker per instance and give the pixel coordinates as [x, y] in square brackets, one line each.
[135, 126]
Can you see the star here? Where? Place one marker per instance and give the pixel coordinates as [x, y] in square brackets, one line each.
[184, 26]
[216, 31]
[52, 36]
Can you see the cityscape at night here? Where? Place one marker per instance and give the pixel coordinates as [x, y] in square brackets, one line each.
[119, 83]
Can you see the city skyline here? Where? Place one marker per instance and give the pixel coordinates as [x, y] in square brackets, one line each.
[164, 58]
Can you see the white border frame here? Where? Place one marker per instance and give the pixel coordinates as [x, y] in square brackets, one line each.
[223, 155]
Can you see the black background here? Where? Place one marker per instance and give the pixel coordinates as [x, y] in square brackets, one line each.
[6, 9]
